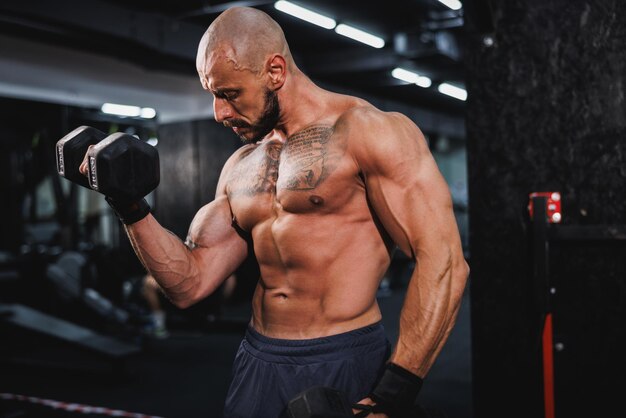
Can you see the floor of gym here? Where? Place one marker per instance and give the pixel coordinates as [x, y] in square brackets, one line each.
[187, 374]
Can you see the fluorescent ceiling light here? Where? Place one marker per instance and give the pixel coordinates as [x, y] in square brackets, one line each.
[147, 113]
[121, 110]
[453, 91]
[130, 111]
[424, 81]
[405, 75]
[359, 35]
[305, 14]
[453, 4]
[411, 77]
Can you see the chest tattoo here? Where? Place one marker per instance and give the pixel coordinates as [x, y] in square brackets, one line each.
[257, 172]
[307, 159]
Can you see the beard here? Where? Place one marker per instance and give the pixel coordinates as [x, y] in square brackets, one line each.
[266, 122]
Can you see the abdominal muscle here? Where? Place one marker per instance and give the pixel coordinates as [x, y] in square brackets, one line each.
[319, 276]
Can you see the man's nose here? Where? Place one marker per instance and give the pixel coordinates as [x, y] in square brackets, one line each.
[222, 110]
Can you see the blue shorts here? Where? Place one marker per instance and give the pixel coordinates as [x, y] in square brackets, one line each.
[268, 372]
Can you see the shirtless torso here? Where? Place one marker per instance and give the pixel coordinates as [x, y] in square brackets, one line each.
[321, 254]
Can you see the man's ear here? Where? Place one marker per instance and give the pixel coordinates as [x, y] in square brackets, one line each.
[277, 71]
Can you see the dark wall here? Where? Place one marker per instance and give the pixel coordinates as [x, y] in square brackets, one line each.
[547, 112]
[192, 155]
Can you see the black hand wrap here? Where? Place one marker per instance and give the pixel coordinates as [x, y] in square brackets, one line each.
[129, 212]
[396, 392]
[366, 410]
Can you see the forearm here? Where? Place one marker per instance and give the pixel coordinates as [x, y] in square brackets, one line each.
[166, 258]
[430, 308]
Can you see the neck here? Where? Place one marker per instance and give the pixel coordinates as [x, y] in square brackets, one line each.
[300, 105]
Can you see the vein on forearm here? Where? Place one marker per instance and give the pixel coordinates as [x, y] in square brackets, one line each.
[167, 260]
[428, 314]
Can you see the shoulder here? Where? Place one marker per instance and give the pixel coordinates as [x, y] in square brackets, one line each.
[232, 161]
[238, 155]
[370, 122]
[376, 137]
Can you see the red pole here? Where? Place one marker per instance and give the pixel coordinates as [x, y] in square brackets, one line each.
[548, 368]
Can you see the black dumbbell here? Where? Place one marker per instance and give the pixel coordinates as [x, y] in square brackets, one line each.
[319, 402]
[325, 402]
[71, 149]
[119, 165]
[123, 167]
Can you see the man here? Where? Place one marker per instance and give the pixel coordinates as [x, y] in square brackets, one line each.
[324, 188]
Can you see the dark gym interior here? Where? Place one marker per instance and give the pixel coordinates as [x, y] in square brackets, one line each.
[523, 107]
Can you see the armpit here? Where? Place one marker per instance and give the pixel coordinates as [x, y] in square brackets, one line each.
[240, 231]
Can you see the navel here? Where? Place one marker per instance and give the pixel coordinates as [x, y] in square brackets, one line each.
[316, 200]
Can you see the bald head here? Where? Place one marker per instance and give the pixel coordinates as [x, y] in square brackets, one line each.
[244, 36]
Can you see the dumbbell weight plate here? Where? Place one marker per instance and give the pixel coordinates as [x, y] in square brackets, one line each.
[123, 167]
[71, 149]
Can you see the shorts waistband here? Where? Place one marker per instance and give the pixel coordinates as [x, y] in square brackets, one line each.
[332, 347]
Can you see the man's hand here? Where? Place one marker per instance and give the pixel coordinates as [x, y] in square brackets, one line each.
[369, 401]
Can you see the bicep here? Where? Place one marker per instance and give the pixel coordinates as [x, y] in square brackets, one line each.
[214, 243]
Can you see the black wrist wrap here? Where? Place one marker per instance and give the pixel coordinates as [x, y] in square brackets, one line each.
[129, 212]
[396, 391]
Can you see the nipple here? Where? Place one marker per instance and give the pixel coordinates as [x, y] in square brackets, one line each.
[316, 200]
